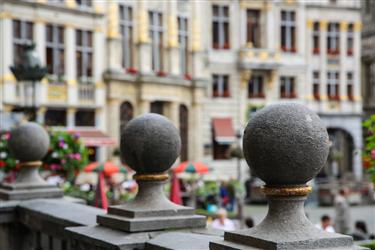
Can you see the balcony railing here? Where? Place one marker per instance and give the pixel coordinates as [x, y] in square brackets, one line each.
[86, 93]
[258, 58]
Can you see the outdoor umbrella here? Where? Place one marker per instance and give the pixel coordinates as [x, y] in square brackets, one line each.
[175, 195]
[100, 193]
[108, 168]
[191, 167]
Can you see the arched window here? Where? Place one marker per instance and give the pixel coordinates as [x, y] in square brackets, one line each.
[126, 114]
[184, 130]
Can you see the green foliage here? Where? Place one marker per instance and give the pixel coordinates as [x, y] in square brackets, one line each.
[66, 155]
[371, 245]
[369, 151]
[7, 162]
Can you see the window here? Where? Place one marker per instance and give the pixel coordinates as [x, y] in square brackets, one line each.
[126, 29]
[255, 87]
[333, 39]
[156, 35]
[220, 27]
[287, 87]
[349, 86]
[22, 34]
[85, 118]
[253, 28]
[55, 50]
[84, 3]
[84, 55]
[350, 40]
[157, 107]
[333, 85]
[316, 38]
[183, 38]
[288, 31]
[220, 86]
[316, 85]
[55, 117]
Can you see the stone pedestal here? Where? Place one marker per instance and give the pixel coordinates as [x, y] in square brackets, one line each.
[29, 143]
[286, 145]
[150, 210]
[29, 185]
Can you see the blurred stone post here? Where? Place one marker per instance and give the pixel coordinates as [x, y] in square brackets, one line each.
[29, 143]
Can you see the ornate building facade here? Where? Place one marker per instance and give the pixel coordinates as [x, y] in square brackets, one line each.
[206, 65]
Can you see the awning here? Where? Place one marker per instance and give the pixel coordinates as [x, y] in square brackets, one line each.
[93, 137]
[223, 130]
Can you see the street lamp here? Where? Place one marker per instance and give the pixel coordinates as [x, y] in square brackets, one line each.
[29, 70]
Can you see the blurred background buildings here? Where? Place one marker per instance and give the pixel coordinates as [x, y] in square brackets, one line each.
[206, 65]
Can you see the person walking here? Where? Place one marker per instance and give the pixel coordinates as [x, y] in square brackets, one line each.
[342, 212]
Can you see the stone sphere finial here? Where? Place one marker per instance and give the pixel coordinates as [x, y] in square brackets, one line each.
[29, 142]
[150, 144]
[286, 144]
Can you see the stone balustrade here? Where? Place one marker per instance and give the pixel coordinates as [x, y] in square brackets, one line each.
[288, 138]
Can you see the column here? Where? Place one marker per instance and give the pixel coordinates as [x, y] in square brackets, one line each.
[113, 119]
[270, 26]
[243, 95]
[70, 65]
[308, 91]
[6, 52]
[357, 69]
[143, 40]
[173, 55]
[323, 64]
[272, 85]
[195, 127]
[100, 119]
[114, 38]
[196, 43]
[144, 107]
[71, 112]
[343, 57]
[40, 115]
[40, 40]
[99, 67]
[174, 114]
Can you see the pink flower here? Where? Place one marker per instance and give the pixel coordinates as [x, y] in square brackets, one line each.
[61, 144]
[77, 156]
[6, 136]
[55, 166]
[63, 161]
[373, 154]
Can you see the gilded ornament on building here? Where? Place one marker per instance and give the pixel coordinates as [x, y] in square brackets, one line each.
[143, 27]
[196, 43]
[357, 26]
[172, 32]
[343, 25]
[323, 24]
[113, 21]
[57, 92]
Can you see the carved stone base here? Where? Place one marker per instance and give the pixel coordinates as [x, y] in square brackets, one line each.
[27, 192]
[29, 185]
[285, 227]
[150, 210]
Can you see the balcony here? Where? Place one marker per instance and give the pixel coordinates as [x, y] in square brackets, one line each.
[258, 58]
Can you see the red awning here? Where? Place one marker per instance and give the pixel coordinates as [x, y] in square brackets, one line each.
[93, 137]
[223, 130]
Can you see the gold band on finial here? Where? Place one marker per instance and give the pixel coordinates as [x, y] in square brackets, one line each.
[151, 177]
[287, 191]
[30, 164]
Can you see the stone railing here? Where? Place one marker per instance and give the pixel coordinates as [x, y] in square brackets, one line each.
[286, 137]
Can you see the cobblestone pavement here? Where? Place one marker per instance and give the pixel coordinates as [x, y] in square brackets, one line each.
[365, 213]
